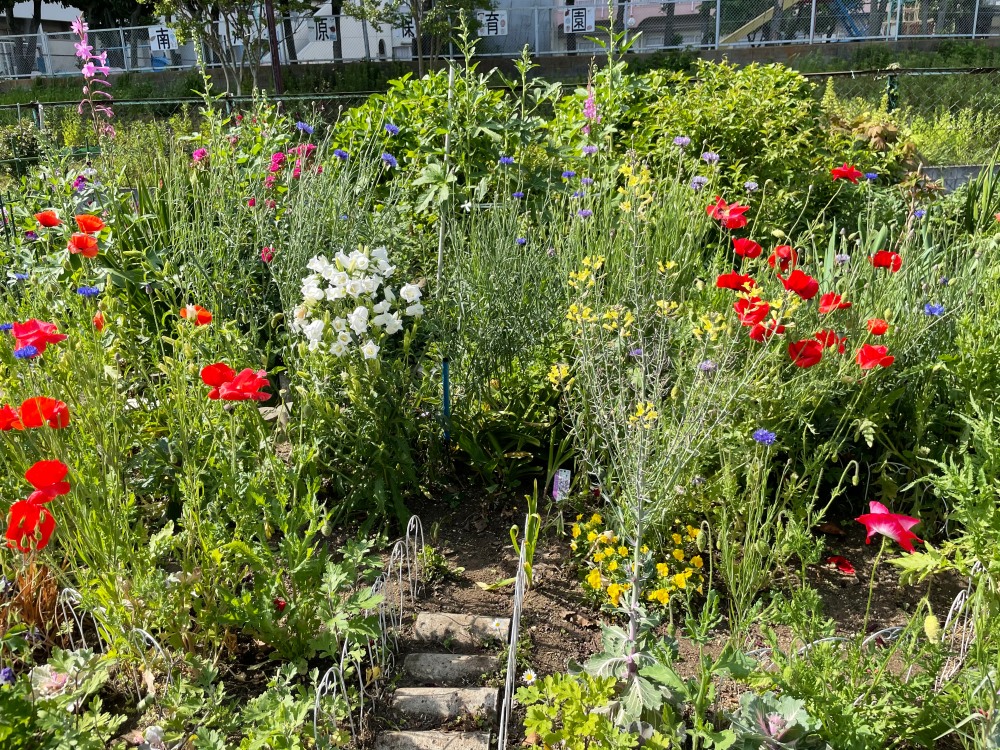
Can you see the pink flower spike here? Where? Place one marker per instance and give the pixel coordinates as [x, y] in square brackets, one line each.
[83, 50]
[79, 26]
[88, 70]
[895, 526]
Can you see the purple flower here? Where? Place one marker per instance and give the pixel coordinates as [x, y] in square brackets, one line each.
[842, 259]
[521, 241]
[637, 352]
[750, 186]
[584, 213]
[304, 127]
[26, 352]
[517, 194]
[30, 236]
[6, 326]
[18, 276]
[707, 366]
[199, 155]
[943, 281]
[390, 160]
[934, 310]
[88, 291]
[919, 213]
[697, 183]
[682, 141]
[6, 676]
[871, 176]
[551, 252]
[391, 129]
[586, 180]
[710, 157]
[589, 150]
[764, 437]
[506, 160]
[79, 183]
[590, 107]
[568, 174]
[341, 154]
[578, 194]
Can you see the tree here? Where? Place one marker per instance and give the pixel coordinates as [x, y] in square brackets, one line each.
[25, 46]
[106, 14]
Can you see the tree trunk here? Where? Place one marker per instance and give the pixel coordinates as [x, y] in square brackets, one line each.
[669, 9]
[27, 45]
[290, 52]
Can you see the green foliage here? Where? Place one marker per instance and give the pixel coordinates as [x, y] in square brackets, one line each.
[770, 721]
[19, 147]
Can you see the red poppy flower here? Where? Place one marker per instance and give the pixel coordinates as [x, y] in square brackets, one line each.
[842, 564]
[40, 410]
[196, 314]
[893, 525]
[36, 333]
[30, 525]
[90, 224]
[83, 244]
[830, 338]
[870, 357]
[48, 218]
[846, 172]
[230, 386]
[763, 331]
[832, 301]
[99, 321]
[877, 326]
[9, 419]
[747, 248]
[280, 604]
[49, 480]
[735, 281]
[730, 215]
[805, 353]
[887, 259]
[784, 256]
[802, 284]
[751, 311]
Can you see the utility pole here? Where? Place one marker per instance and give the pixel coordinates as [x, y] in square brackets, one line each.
[272, 35]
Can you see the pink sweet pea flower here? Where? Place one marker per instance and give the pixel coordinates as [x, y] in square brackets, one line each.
[893, 525]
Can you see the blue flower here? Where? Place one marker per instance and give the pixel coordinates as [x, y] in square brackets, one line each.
[586, 180]
[944, 280]
[710, 157]
[30, 236]
[933, 309]
[391, 129]
[919, 213]
[341, 154]
[764, 437]
[506, 159]
[842, 259]
[304, 127]
[697, 183]
[517, 194]
[682, 141]
[18, 276]
[88, 291]
[6, 326]
[871, 176]
[568, 174]
[26, 352]
[637, 352]
[589, 150]
[6, 676]
[521, 241]
[750, 186]
[584, 213]
[390, 159]
[707, 366]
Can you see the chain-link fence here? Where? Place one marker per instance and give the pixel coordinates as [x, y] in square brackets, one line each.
[546, 29]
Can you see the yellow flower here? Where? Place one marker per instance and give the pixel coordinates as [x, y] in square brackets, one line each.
[612, 537]
[591, 536]
[680, 581]
[678, 555]
[615, 592]
[677, 538]
[692, 532]
[644, 549]
[625, 206]
[594, 579]
[662, 570]
[559, 374]
[579, 517]
[665, 308]
[613, 565]
[572, 546]
[697, 561]
[609, 552]
[596, 518]
[645, 415]
[660, 595]
[576, 530]
[598, 557]
[623, 551]
[662, 267]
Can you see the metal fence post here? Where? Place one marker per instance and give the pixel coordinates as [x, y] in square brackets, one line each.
[975, 20]
[534, 23]
[812, 23]
[121, 36]
[46, 52]
[899, 20]
[718, 22]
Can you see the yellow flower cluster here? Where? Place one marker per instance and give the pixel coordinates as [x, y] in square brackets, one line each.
[635, 189]
[580, 314]
[617, 320]
[645, 415]
[681, 571]
[664, 308]
[559, 375]
[585, 277]
[710, 326]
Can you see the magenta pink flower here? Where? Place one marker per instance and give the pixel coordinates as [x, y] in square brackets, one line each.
[893, 525]
[267, 254]
[199, 155]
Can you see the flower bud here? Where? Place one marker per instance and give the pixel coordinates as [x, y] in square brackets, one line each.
[932, 628]
[701, 541]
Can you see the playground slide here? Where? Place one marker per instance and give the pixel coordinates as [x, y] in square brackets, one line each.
[751, 26]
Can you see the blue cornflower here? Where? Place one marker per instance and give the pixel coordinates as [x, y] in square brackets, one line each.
[589, 150]
[637, 352]
[578, 194]
[584, 213]
[26, 352]
[586, 180]
[341, 154]
[88, 291]
[6, 326]
[517, 194]
[343, 217]
[710, 157]
[6, 676]
[304, 127]
[707, 366]
[764, 437]
[21, 276]
[750, 186]
[697, 183]
[506, 159]
[871, 176]
[391, 129]
[521, 241]
[934, 309]
[30, 236]
[919, 213]
[842, 259]
[568, 174]
[390, 159]
[944, 280]
[682, 141]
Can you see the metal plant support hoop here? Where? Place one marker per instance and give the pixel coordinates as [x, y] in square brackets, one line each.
[520, 586]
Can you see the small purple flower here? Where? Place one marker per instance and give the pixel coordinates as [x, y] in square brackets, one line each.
[589, 150]
[933, 309]
[578, 194]
[842, 259]
[871, 176]
[390, 160]
[522, 241]
[30, 236]
[944, 280]
[517, 194]
[707, 366]
[584, 213]
[710, 157]
[391, 129]
[6, 326]
[304, 127]
[919, 213]
[750, 186]
[21, 276]
[26, 352]
[764, 437]
[568, 174]
[88, 291]
[682, 141]
[506, 160]
[79, 183]
[551, 252]
[637, 352]
[697, 183]
[6, 676]
[341, 154]
[586, 180]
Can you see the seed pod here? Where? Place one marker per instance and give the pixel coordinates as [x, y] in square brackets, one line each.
[701, 541]
[932, 628]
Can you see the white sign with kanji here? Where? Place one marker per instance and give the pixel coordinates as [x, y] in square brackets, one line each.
[405, 33]
[324, 28]
[578, 20]
[492, 22]
[162, 39]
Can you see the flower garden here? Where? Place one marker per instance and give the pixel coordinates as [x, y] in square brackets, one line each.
[725, 362]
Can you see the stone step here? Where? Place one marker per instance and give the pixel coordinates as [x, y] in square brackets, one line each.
[463, 631]
[445, 704]
[433, 741]
[448, 670]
